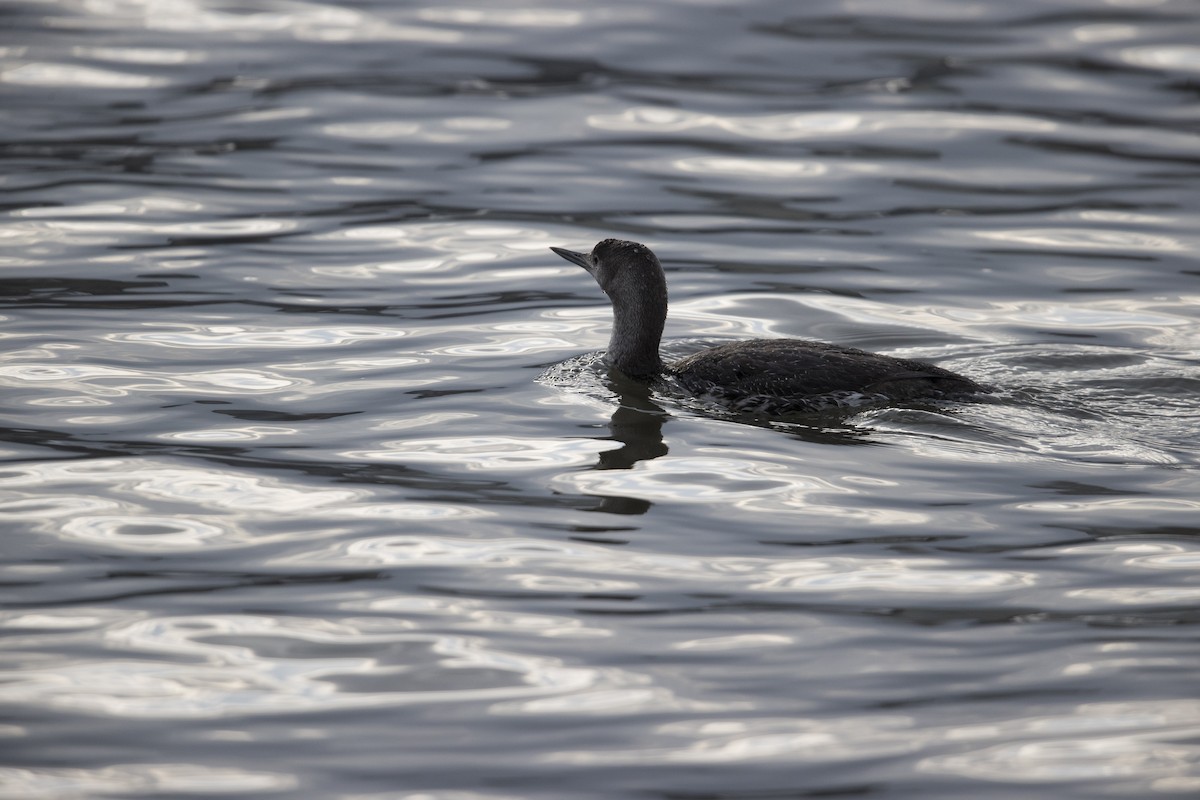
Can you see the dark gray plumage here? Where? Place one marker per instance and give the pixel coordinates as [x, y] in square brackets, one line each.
[768, 375]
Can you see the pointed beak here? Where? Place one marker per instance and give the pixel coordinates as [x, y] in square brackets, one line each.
[575, 258]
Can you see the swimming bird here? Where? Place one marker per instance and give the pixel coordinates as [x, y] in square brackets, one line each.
[758, 375]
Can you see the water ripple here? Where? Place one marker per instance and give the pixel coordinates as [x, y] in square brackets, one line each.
[318, 22]
[787, 127]
[889, 576]
[50, 783]
[1068, 238]
[227, 666]
[394, 550]
[144, 532]
[50, 506]
[478, 616]
[1165, 57]
[59, 75]
[162, 56]
[488, 452]
[117, 230]
[522, 18]
[147, 205]
[94, 381]
[238, 336]
[763, 740]
[576, 567]
[250, 433]
[208, 488]
[693, 480]
[1100, 741]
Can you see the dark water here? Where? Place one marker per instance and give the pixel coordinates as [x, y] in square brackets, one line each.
[297, 504]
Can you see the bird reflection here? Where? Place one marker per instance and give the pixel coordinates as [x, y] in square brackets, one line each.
[638, 420]
[637, 424]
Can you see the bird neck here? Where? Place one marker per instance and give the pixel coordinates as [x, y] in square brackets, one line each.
[636, 333]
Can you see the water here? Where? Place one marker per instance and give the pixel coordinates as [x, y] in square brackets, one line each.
[308, 492]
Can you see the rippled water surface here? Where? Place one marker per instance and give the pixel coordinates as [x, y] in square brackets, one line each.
[310, 490]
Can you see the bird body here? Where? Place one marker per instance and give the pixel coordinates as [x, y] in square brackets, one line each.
[768, 375]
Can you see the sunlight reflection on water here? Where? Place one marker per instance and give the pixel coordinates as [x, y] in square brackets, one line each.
[315, 484]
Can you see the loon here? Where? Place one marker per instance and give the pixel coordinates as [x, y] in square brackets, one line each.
[771, 376]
